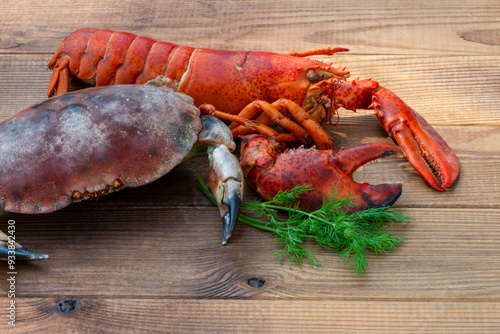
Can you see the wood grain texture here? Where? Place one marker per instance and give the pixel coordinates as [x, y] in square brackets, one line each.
[150, 260]
[366, 26]
[446, 256]
[290, 316]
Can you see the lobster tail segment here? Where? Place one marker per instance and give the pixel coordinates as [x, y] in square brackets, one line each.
[59, 81]
[66, 60]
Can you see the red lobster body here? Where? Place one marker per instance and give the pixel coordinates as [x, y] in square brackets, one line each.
[226, 79]
[245, 83]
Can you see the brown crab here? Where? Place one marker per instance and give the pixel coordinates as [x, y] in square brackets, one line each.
[89, 143]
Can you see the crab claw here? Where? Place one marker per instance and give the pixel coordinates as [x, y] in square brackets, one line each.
[9, 249]
[226, 181]
[268, 173]
[426, 151]
[225, 175]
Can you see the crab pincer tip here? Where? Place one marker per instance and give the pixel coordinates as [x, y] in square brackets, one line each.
[21, 253]
[230, 217]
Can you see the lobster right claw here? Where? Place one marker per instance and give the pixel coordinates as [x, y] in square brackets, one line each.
[426, 151]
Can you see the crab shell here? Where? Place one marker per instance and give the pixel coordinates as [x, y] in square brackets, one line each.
[92, 142]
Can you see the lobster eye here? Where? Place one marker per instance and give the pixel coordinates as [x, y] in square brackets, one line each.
[313, 76]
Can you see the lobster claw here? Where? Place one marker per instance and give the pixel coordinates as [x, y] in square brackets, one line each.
[324, 170]
[426, 151]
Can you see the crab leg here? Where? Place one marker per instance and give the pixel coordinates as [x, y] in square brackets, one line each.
[9, 249]
[426, 151]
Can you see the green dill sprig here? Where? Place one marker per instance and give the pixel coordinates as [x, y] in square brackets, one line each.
[351, 236]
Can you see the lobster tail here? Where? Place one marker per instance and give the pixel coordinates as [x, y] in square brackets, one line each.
[106, 57]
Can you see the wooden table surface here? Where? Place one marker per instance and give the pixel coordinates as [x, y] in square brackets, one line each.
[150, 259]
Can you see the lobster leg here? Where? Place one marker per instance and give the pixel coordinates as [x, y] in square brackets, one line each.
[300, 129]
[426, 151]
[269, 172]
[270, 114]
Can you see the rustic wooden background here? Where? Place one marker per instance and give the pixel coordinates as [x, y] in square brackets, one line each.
[150, 259]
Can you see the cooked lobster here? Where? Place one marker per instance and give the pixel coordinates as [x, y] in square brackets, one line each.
[233, 81]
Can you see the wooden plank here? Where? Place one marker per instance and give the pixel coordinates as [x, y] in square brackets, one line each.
[106, 315]
[150, 259]
[175, 252]
[367, 27]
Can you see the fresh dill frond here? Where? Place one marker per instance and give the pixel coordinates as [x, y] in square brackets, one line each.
[290, 196]
[351, 236]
